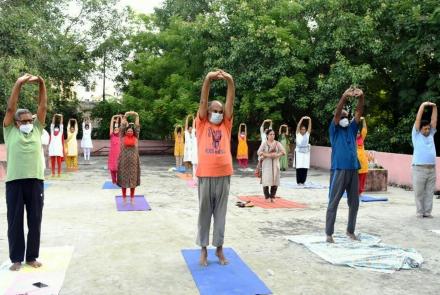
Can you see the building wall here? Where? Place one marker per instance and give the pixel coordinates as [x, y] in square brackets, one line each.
[398, 165]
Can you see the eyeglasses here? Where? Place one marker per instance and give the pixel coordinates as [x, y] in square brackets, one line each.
[30, 121]
[344, 117]
[217, 112]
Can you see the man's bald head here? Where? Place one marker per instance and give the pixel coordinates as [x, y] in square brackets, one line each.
[215, 108]
[215, 105]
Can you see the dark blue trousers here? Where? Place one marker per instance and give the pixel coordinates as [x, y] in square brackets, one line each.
[23, 193]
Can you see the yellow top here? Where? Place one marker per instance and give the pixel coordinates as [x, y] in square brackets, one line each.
[179, 145]
[362, 156]
[242, 149]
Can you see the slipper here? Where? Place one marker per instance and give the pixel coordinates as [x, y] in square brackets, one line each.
[249, 205]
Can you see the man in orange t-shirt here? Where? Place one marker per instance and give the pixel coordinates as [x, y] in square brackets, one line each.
[214, 125]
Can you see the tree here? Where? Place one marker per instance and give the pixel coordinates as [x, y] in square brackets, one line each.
[41, 38]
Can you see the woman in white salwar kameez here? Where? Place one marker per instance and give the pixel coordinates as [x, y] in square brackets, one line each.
[194, 150]
[86, 141]
[188, 153]
[302, 150]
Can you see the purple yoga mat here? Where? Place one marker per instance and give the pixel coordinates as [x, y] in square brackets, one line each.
[140, 204]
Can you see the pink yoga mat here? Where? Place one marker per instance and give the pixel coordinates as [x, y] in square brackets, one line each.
[140, 204]
[259, 201]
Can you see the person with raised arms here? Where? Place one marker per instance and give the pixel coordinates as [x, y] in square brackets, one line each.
[423, 162]
[24, 174]
[344, 163]
[214, 128]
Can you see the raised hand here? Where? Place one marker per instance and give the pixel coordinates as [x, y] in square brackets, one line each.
[225, 76]
[215, 75]
[358, 92]
[35, 79]
[349, 92]
[25, 78]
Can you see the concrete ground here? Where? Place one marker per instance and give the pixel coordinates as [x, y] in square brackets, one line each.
[139, 252]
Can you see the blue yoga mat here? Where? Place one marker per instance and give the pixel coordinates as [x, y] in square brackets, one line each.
[366, 198]
[236, 278]
[109, 185]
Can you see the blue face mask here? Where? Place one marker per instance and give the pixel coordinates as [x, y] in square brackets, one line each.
[216, 118]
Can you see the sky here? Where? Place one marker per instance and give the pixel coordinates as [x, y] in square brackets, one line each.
[141, 6]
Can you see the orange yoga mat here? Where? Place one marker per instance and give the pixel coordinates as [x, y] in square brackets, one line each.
[184, 176]
[259, 201]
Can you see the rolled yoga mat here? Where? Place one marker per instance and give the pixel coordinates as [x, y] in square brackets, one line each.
[235, 278]
[140, 204]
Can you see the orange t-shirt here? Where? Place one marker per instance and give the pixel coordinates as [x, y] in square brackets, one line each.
[214, 148]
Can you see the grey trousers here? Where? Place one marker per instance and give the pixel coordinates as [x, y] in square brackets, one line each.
[213, 201]
[341, 181]
[424, 186]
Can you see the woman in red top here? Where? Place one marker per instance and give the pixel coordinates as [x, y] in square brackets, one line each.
[114, 147]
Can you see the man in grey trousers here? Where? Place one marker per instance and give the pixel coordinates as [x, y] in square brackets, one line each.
[344, 163]
[423, 161]
[214, 126]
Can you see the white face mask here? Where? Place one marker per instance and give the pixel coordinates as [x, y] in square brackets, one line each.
[344, 122]
[56, 129]
[27, 128]
[216, 118]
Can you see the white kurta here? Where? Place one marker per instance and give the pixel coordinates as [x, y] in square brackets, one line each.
[86, 141]
[187, 154]
[56, 142]
[263, 135]
[45, 138]
[302, 151]
[195, 156]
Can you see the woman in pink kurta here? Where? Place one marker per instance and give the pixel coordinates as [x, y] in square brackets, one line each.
[114, 147]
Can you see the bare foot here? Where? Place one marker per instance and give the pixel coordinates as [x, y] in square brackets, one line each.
[329, 239]
[15, 266]
[272, 200]
[221, 256]
[204, 257]
[34, 264]
[124, 200]
[132, 200]
[352, 236]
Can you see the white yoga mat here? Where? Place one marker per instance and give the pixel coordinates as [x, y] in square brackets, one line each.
[368, 253]
[55, 261]
[307, 185]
